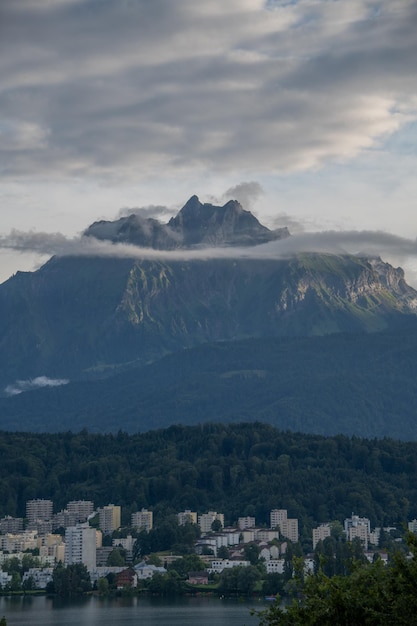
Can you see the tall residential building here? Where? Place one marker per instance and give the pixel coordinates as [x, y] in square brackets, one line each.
[277, 516]
[288, 527]
[187, 516]
[38, 510]
[109, 518]
[80, 546]
[142, 520]
[205, 521]
[320, 533]
[81, 509]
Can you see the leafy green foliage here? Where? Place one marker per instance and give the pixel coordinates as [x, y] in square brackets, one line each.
[70, 581]
[372, 594]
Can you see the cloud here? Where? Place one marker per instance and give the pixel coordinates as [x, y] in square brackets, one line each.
[21, 386]
[125, 89]
[247, 193]
[154, 211]
[364, 243]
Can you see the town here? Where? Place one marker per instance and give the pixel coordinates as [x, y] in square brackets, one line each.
[32, 548]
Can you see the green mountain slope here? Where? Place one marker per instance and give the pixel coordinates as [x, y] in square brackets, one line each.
[357, 384]
[79, 317]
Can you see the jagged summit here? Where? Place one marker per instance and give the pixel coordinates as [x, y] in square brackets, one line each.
[195, 224]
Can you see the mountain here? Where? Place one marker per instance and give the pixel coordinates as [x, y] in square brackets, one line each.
[196, 224]
[81, 318]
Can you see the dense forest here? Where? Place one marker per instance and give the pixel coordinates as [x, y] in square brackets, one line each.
[355, 384]
[241, 469]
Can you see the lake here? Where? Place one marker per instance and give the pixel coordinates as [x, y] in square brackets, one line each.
[95, 611]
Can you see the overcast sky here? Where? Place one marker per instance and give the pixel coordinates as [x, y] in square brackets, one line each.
[305, 111]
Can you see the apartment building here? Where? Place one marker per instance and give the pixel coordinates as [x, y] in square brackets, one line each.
[206, 520]
[109, 518]
[142, 520]
[80, 546]
[288, 527]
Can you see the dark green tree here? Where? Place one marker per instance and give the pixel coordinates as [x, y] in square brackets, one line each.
[373, 594]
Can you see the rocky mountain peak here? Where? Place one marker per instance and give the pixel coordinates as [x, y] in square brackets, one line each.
[196, 224]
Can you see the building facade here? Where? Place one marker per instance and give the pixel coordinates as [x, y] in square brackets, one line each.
[109, 518]
[80, 546]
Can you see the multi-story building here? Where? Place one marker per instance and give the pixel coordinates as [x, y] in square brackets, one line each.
[187, 516]
[11, 525]
[277, 516]
[38, 510]
[82, 509]
[109, 518]
[206, 520]
[356, 526]
[19, 542]
[80, 546]
[142, 520]
[246, 522]
[288, 527]
[320, 533]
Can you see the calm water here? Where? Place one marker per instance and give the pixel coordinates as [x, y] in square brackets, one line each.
[42, 611]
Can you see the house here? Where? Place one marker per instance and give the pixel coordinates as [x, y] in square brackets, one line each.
[198, 578]
[126, 578]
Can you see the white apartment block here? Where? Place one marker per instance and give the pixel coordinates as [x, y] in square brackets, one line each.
[246, 522]
[187, 517]
[142, 520]
[80, 546]
[219, 565]
[320, 533]
[206, 520]
[37, 510]
[275, 566]
[109, 518]
[40, 576]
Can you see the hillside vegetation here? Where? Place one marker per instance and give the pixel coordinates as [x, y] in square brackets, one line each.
[241, 469]
[361, 384]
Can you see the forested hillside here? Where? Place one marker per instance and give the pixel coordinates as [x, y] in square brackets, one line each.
[245, 469]
[362, 384]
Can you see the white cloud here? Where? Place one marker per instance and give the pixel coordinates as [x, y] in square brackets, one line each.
[21, 386]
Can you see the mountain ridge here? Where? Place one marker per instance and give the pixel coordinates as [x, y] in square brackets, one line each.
[196, 224]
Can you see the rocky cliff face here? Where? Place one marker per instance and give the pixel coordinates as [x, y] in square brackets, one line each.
[196, 224]
[78, 316]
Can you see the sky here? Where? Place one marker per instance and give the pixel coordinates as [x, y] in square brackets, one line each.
[304, 111]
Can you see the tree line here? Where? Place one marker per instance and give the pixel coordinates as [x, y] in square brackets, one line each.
[238, 469]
